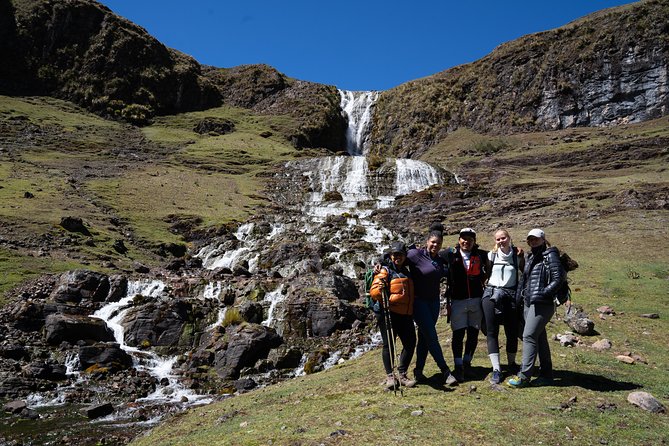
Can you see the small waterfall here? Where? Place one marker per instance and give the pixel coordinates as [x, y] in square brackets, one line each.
[159, 367]
[358, 106]
[414, 176]
[273, 298]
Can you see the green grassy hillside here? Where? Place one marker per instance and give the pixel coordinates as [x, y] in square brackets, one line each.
[125, 183]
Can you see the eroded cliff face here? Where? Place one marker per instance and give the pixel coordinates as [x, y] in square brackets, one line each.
[80, 51]
[606, 69]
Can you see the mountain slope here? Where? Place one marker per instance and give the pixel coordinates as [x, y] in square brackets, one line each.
[605, 69]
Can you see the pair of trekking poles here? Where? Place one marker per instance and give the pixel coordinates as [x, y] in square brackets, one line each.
[390, 336]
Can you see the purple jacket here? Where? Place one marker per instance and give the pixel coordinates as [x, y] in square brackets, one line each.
[426, 272]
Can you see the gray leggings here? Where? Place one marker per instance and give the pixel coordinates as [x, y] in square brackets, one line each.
[535, 340]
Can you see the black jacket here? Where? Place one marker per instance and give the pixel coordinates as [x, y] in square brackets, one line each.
[542, 276]
[463, 284]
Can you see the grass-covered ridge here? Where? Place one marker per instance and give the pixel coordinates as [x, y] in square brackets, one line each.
[126, 183]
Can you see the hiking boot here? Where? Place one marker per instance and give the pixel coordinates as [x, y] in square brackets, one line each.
[391, 382]
[543, 381]
[518, 382]
[459, 373]
[496, 377]
[450, 380]
[418, 374]
[405, 381]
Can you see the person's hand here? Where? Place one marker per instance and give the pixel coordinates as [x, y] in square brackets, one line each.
[377, 268]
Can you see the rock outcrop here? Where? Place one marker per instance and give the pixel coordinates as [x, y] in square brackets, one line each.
[605, 69]
[79, 50]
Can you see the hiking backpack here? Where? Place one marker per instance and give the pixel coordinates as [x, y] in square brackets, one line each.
[369, 302]
[563, 294]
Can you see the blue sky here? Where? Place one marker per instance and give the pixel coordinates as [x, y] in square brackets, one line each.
[355, 45]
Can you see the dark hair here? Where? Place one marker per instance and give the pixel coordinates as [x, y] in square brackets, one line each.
[436, 226]
[434, 233]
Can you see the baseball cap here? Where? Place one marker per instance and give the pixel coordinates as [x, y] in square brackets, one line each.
[536, 232]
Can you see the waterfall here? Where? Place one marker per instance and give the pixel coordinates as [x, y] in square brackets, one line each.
[159, 367]
[273, 298]
[414, 176]
[358, 106]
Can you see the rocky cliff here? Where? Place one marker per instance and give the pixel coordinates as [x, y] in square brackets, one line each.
[80, 51]
[605, 69]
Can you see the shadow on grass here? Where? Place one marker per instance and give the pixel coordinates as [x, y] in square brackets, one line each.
[599, 383]
[436, 382]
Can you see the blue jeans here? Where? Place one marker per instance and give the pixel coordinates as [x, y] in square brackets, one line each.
[425, 314]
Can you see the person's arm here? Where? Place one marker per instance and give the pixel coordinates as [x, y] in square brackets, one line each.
[380, 281]
[556, 273]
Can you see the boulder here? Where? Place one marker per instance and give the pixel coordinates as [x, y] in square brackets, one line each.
[76, 285]
[74, 224]
[157, 323]
[602, 344]
[246, 344]
[15, 406]
[73, 328]
[98, 410]
[214, 126]
[118, 288]
[104, 356]
[251, 312]
[47, 371]
[646, 401]
[285, 357]
[28, 315]
[579, 321]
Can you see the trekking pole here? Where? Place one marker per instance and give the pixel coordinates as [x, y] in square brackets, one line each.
[391, 339]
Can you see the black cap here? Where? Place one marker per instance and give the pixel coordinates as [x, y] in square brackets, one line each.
[398, 247]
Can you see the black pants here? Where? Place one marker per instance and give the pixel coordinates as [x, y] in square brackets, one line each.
[403, 328]
[508, 318]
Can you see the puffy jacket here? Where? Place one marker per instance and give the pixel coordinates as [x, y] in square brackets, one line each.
[400, 286]
[542, 276]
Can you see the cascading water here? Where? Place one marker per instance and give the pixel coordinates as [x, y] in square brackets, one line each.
[169, 390]
[338, 186]
[358, 105]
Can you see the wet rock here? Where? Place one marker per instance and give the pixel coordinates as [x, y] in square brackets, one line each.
[247, 343]
[74, 286]
[601, 345]
[646, 401]
[104, 357]
[74, 224]
[47, 371]
[158, 323]
[251, 312]
[98, 410]
[140, 268]
[73, 328]
[285, 357]
[14, 406]
[118, 288]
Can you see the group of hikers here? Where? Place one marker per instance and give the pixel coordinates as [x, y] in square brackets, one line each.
[485, 290]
